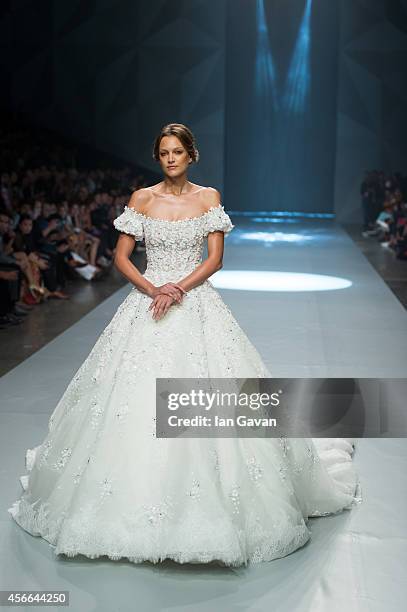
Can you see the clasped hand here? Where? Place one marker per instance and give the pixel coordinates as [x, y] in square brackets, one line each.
[163, 297]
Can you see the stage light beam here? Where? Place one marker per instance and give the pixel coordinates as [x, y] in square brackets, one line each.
[298, 80]
[266, 87]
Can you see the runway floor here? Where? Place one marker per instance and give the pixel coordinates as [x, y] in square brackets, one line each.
[355, 561]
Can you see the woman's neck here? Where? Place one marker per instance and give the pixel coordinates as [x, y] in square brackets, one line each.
[177, 187]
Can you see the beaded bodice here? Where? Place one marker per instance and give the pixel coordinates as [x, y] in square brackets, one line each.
[175, 246]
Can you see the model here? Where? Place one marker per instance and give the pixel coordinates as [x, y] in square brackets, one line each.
[102, 482]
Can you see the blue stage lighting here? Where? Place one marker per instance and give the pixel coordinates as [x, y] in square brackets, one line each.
[266, 88]
[299, 74]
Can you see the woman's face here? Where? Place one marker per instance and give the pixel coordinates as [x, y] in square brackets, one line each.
[174, 158]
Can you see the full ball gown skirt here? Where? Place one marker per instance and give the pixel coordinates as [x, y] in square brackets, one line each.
[102, 483]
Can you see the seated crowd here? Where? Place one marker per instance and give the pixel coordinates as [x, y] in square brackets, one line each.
[384, 204]
[55, 219]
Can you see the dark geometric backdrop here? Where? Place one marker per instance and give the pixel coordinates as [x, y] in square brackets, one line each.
[110, 73]
[372, 98]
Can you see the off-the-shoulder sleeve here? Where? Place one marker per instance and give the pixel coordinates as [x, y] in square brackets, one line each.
[218, 220]
[130, 222]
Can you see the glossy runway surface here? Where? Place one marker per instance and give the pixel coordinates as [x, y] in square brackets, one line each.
[354, 560]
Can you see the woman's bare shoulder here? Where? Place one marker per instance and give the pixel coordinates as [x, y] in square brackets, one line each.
[210, 197]
[140, 199]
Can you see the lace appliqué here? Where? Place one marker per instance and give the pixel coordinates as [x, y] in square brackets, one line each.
[128, 223]
[218, 220]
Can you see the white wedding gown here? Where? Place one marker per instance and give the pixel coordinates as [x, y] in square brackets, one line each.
[102, 483]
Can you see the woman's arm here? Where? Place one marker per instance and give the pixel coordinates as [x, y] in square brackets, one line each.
[124, 249]
[213, 262]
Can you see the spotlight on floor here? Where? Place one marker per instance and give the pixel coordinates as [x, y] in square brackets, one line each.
[269, 237]
[257, 280]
